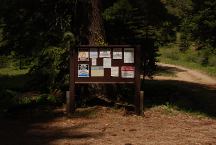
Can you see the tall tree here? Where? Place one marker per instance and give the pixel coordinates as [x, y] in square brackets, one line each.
[137, 22]
[204, 23]
[96, 28]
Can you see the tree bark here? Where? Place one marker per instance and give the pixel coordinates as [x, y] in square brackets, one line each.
[96, 36]
[96, 28]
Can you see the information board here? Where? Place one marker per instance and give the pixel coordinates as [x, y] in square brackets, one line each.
[105, 65]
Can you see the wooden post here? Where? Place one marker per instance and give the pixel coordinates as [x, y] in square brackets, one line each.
[68, 102]
[71, 94]
[141, 102]
[137, 81]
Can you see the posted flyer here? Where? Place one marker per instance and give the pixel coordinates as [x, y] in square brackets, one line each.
[128, 72]
[115, 71]
[83, 70]
[107, 62]
[117, 53]
[97, 71]
[105, 52]
[129, 55]
[83, 54]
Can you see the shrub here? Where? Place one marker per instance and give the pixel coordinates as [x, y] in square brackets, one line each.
[7, 100]
[171, 53]
[212, 61]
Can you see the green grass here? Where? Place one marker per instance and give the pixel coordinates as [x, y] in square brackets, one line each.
[12, 71]
[183, 96]
[173, 109]
[190, 58]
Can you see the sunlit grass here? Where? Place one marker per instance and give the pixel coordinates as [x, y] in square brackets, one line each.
[12, 71]
[190, 58]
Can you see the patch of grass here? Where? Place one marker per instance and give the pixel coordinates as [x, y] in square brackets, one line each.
[12, 71]
[172, 109]
[180, 95]
[190, 58]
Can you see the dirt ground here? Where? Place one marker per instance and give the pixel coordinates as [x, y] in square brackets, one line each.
[106, 126]
[161, 125]
[185, 74]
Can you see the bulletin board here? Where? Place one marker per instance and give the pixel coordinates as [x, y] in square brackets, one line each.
[106, 64]
[113, 64]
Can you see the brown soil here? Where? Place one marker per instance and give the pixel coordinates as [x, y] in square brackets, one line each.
[105, 126]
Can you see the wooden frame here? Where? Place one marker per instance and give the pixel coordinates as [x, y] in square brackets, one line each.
[107, 79]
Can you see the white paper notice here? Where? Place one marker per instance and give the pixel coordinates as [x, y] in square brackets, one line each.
[105, 52]
[83, 54]
[129, 55]
[93, 53]
[117, 53]
[107, 62]
[115, 71]
[94, 61]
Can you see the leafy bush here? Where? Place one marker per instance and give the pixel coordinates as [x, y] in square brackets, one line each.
[212, 61]
[7, 100]
[191, 57]
[3, 61]
[171, 53]
[48, 99]
[46, 70]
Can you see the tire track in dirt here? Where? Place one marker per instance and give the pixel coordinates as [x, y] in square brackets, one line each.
[188, 75]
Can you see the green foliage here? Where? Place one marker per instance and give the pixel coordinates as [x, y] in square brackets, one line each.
[212, 61]
[4, 61]
[171, 54]
[120, 9]
[204, 22]
[136, 22]
[198, 25]
[43, 31]
[200, 60]
[179, 8]
[45, 71]
[7, 99]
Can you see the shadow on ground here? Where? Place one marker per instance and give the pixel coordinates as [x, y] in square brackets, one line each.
[16, 82]
[167, 70]
[38, 127]
[186, 96]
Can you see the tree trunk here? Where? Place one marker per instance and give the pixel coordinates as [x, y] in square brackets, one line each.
[96, 28]
[96, 37]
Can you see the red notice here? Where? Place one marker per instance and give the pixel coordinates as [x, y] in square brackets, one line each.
[127, 71]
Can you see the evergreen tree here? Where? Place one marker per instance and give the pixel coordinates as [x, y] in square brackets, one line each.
[137, 22]
[204, 24]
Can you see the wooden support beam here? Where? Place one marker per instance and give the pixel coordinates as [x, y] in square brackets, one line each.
[71, 93]
[141, 103]
[137, 81]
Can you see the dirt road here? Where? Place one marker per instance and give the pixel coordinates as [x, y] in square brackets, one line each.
[186, 74]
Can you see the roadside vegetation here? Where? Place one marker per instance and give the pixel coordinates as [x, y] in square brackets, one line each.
[191, 58]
